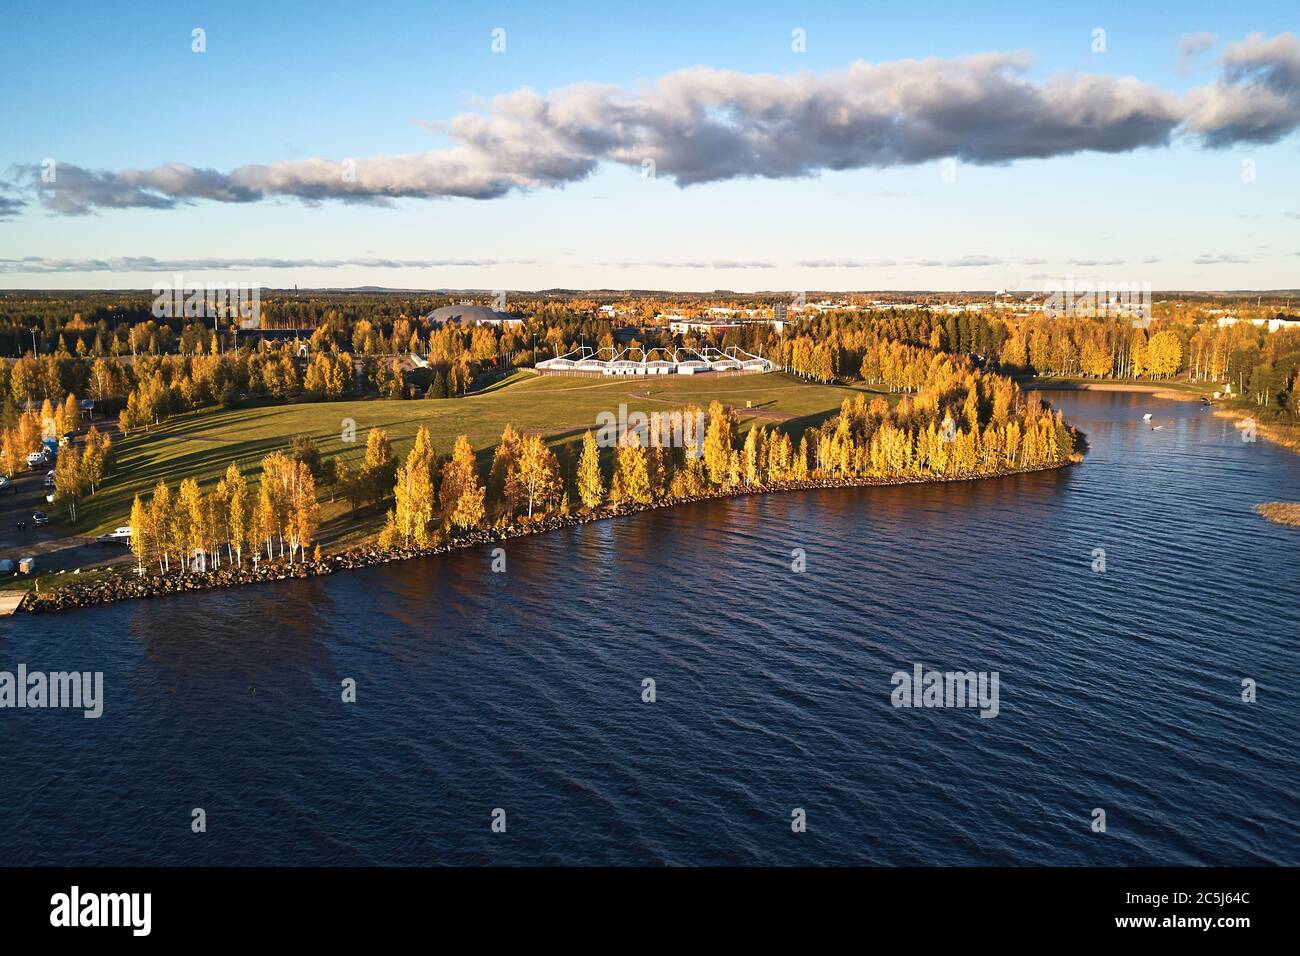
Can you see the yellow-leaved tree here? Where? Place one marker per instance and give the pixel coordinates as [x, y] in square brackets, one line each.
[591, 484]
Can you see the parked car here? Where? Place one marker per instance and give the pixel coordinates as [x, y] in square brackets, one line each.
[49, 479]
[6, 566]
[4, 482]
[40, 519]
[38, 458]
[116, 536]
[49, 499]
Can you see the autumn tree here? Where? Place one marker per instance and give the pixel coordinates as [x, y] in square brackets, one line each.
[591, 484]
[413, 496]
[461, 495]
[719, 440]
[379, 468]
[159, 524]
[69, 481]
[238, 518]
[503, 460]
[139, 523]
[534, 478]
[631, 481]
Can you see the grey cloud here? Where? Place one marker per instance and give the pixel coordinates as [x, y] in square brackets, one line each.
[10, 206]
[1257, 99]
[703, 125]
[1095, 262]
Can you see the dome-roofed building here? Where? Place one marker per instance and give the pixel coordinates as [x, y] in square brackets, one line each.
[471, 315]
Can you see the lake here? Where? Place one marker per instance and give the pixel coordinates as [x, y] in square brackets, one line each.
[1119, 689]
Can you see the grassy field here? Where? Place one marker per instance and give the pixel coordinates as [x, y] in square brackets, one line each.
[202, 444]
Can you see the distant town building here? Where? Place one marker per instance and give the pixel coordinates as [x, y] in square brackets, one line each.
[681, 326]
[471, 315]
[1278, 321]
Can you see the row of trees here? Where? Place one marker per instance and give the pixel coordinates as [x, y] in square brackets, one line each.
[190, 528]
[1092, 349]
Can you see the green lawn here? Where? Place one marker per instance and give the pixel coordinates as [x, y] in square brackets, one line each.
[202, 444]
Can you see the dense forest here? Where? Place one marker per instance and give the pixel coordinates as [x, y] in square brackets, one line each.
[110, 347]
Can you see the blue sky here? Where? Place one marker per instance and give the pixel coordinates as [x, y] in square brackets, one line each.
[117, 87]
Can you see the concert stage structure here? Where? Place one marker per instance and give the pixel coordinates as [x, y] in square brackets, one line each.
[657, 361]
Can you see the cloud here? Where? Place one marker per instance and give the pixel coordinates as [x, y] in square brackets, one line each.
[846, 263]
[695, 264]
[46, 264]
[704, 125]
[1192, 45]
[1095, 262]
[10, 206]
[965, 262]
[1257, 99]
[1220, 259]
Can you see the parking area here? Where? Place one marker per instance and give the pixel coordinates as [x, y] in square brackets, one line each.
[52, 546]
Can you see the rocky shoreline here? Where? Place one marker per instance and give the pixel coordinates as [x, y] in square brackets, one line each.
[152, 585]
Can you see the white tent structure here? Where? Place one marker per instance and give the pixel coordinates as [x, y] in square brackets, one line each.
[657, 361]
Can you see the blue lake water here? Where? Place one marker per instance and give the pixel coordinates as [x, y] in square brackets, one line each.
[1119, 690]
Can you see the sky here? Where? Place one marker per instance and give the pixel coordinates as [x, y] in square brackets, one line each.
[681, 146]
